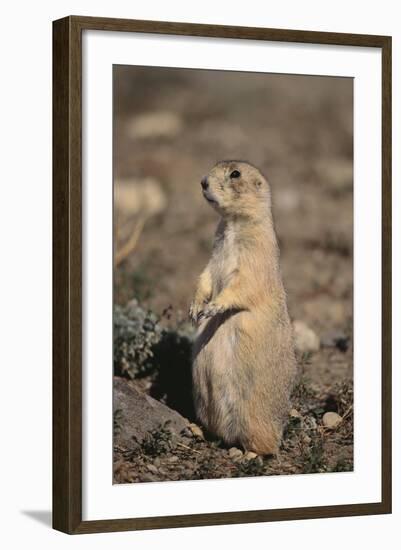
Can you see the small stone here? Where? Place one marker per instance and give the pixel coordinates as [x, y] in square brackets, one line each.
[196, 431]
[331, 420]
[172, 459]
[295, 414]
[152, 468]
[250, 455]
[235, 454]
[305, 339]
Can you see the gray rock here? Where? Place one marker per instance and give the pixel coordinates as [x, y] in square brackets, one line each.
[137, 414]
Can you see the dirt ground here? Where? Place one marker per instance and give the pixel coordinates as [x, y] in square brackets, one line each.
[170, 127]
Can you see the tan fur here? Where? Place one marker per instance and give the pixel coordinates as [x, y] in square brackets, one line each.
[244, 364]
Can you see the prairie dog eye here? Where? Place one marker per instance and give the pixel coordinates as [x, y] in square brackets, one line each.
[235, 174]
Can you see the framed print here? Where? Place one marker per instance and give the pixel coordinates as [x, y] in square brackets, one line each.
[222, 274]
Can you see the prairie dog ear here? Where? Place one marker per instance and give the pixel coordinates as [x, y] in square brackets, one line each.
[259, 181]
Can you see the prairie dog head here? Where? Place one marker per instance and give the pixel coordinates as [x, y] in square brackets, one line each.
[237, 189]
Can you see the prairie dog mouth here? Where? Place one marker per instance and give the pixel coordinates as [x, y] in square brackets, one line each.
[209, 198]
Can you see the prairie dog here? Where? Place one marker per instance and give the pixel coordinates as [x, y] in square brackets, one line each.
[243, 363]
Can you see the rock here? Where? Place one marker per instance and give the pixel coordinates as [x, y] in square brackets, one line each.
[305, 339]
[196, 431]
[331, 420]
[335, 339]
[295, 414]
[139, 196]
[152, 468]
[235, 454]
[172, 459]
[139, 414]
[250, 455]
[156, 124]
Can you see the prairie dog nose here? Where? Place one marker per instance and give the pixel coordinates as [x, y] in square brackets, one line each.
[204, 183]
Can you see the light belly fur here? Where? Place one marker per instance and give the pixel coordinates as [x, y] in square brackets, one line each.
[219, 390]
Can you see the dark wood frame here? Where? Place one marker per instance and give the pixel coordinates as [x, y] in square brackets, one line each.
[67, 278]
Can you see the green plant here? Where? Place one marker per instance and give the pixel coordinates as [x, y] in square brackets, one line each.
[158, 441]
[314, 456]
[136, 332]
[342, 465]
[253, 467]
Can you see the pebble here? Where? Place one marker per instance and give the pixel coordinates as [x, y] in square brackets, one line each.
[295, 414]
[305, 339]
[152, 468]
[172, 459]
[250, 455]
[235, 454]
[196, 431]
[331, 420]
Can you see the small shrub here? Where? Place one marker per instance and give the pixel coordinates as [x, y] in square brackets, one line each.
[136, 332]
[314, 457]
[253, 467]
[157, 442]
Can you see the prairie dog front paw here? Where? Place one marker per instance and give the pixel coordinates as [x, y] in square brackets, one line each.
[195, 310]
[210, 310]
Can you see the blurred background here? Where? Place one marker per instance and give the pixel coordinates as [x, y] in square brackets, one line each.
[172, 125]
